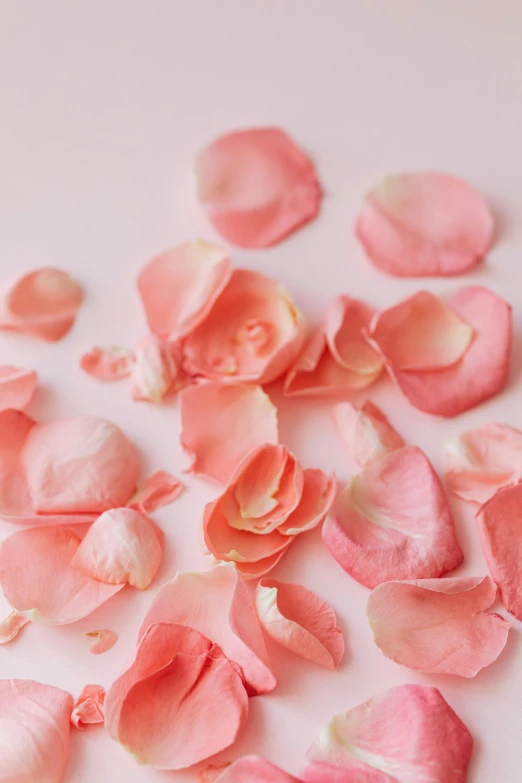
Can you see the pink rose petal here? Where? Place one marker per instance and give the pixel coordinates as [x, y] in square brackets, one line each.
[249, 769]
[366, 431]
[252, 333]
[103, 641]
[219, 605]
[17, 387]
[438, 625]
[157, 369]
[179, 681]
[40, 582]
[315, 503]
[158, 490]
[425, 224]
[408, 734]
[179, 287]
[221, 425]
[88, 708]
[393, 521]
[301, 621]
[257, 186]
[108, 364]
[11, 627]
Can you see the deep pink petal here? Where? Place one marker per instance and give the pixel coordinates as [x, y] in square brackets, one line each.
[366, 431]
[17, 387]
[158, 490]
[104, 641]
[88, 708]
[11, 627]
[107, 364]
[316, 500]
[248, 769]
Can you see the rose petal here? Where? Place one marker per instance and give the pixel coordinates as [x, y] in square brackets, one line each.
[221, 425]
[301, 621]
[425, 224]
[249, 769]
[253, 333]
[103, 641]
[39, 581]
[438, 625]
[219, 605]
[88, 708]
[157, 369]
[366, 431]
[393, 522]
[11, 627]
[179, 680]
[156, 491]
[17, 387]
[257, 186]
[43, 303]
[179, 287]
[34, 732]
[107, 364]
[409, 734]
[316, 500]
[482, 460]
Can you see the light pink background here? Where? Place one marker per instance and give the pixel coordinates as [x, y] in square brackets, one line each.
[104, 104]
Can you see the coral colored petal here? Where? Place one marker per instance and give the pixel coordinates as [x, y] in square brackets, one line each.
[249, 769]
[107, 364]
[88, 708]
[179, 287]
[158, 490]
[409, 733]
[316, 500]
[257, 186]
[34, 732]
[393, 521]
[438, 625]
[366, 431]
[103, 641]
[425, 224]
[11, 627]
[301, 621]
[17, 387]
[39, 581]
[219, 605]
[222, 424]
[261, 567]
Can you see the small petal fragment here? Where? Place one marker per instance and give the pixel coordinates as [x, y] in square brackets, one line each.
[156, 491]
[157, 369]
[439, 626]
[17, 387]
[103, 641]
[301, 621]
[425, 224]
[222, 424]
[88, 708]
[366, 431]
[108, 364]
[249, 769]
[11, 627]
[392, 521]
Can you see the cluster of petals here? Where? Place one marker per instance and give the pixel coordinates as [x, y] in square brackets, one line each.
[17, 387]
[88, 707]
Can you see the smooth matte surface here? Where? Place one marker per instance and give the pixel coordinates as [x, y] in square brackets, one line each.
[104, 105]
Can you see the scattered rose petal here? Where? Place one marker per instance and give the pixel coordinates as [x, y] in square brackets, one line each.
[179, 680]
[366, 431]
[108, 364]
[156, 370]
[156, 491]
[211, 773]
[17, 387]
[301, 621]
[438, 625]
[103, 641]
[409, 734]
[257, 186]
[34, 732]
[252, 333]
[11, 627]
[482, 460]
[392, 521]
[88, 708]
[249, 769]
[179, 287]
[218, 604]
[221, 425]
[40, 582]
[425, 224]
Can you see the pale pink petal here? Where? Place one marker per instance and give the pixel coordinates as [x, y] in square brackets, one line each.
[257, 186]
[408, 734]
[179, 682]
[438, 625]
[393, 521]
[103, 641]
[366, 431]
[500, 527]
[249, 769]
[122, 546]
[17, 387]
[482, 460]
[316, 500]
[88, 708]
[107, 364]
[158, 490]
[11, 627]
[221, 425]
[179, 287]
[301, 621]
[425, 224]
[34, 732]
[40, 582]
[219, 604]
[157, 369]
[252, 333]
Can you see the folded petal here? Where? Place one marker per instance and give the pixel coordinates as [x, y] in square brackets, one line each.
[393, 521]
[221, 425]
[34, 732]
[88, 708]
[158, 490]
[108, 364]
[219, 605]
[438, 625]
[103, 641]
[17, 387]
[40, 582]
[425, 224]
[249, 769]
[11, 627]
[179, 287]
[157, 369]
[179, 682]
[316, 500]
[366, 431]
[301, 621]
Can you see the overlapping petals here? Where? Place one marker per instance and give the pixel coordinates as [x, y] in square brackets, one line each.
[17, 387]
[366, 431]
[438, 625]
[158, 490]
[108, 364]
[249, 768]
[156, 370]
[425, 224]
[104, 640]
[393, 522]
[88, 707]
